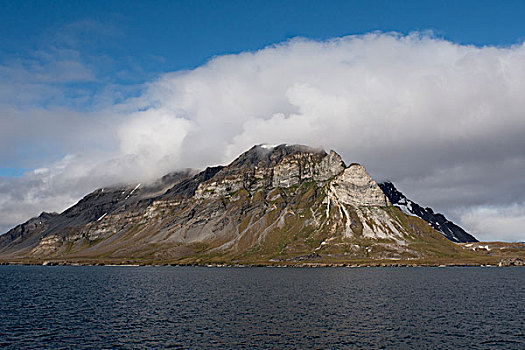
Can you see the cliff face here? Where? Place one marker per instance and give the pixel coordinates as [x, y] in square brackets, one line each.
[282, 203]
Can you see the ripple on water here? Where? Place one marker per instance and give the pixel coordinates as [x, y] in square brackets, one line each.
[191, 307]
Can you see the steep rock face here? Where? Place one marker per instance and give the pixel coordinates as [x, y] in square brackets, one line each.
[438, 221]
[282, 203]
[355, 186]
[264, 167]
[49, 230]
[25, 235]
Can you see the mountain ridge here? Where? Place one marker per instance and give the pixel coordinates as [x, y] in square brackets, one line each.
[284, 203]
[437, 220]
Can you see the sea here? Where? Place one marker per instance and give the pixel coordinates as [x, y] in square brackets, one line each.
[108, 307]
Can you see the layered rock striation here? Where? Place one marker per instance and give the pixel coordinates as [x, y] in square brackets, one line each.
[282, 203]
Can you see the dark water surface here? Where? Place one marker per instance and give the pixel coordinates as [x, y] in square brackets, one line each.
[266, 308]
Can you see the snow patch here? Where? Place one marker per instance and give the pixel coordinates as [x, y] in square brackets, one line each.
[102, 217]
[133, 190]
[405, 210]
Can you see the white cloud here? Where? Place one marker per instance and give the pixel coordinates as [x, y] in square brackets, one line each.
[505, 223]
[154, 139]
[442, 120]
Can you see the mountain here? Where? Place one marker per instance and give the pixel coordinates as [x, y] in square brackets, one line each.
[438, 221]
[288, 204]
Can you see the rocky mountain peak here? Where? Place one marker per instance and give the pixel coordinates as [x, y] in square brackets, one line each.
[355, 186]
[273, 202]
[264, 166]
[267, 156]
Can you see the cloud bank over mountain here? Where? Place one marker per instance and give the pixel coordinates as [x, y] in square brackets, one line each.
[443, 121]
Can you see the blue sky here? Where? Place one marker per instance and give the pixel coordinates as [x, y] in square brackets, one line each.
[160, 36]
[119, 45]
[173, 35]
[427, 94]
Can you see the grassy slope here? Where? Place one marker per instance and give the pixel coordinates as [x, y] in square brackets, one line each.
[285, 226]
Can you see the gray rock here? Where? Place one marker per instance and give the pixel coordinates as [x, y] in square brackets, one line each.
[283, 202]
[355, 186]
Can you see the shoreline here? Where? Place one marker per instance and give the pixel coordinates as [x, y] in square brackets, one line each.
[302, 265]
